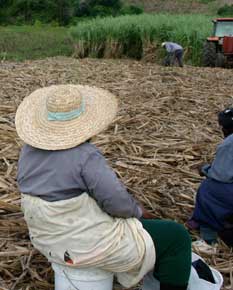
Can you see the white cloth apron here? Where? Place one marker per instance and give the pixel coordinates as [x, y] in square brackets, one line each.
[76, 232]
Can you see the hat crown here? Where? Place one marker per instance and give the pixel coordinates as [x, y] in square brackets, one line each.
[64, 99]
[76, 114]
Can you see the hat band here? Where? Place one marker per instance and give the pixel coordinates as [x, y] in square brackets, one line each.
[66, 116]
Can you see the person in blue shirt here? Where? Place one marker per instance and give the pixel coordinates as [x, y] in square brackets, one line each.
[174, 52]
[213, 213]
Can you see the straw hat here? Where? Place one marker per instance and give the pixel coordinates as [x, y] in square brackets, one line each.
[163, 44]
[64, 116]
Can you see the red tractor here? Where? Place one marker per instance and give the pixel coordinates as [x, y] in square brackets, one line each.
[218, 49]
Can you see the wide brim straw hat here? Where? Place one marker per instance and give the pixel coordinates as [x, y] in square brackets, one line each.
[63, 116]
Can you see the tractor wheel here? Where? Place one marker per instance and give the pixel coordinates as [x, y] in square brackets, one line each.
[220, 60]
[209, 54]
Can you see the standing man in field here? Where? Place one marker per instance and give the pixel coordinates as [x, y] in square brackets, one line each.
[174, 52]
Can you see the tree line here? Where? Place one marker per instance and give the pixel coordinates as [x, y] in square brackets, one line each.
[62, 12]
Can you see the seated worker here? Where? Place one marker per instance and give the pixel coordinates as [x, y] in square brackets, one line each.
[78, 212]
[174, 52]
[213, 212]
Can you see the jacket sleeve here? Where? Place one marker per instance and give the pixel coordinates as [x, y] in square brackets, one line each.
[104, 186]
[205, 169]
[221, 167]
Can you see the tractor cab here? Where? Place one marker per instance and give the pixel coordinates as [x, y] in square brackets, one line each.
[218, 49]
[223, 27]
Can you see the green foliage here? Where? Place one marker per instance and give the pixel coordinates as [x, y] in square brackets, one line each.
[165, 32]
[124, 36]
[131, 9]
[95, 8]
[129, 35]
[206, 1]
[54, 23]
[28, 11]
[116, 4]
[37, 23]
[64, 12]
[32, 42]
[99, 10]
[226, 10]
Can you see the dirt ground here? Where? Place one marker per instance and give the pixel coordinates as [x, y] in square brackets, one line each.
[166, 128]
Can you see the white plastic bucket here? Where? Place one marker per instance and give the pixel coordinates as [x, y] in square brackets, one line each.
[149, 282]
[195, 283]
[69, 278]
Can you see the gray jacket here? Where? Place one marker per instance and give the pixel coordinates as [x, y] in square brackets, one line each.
[63, 174]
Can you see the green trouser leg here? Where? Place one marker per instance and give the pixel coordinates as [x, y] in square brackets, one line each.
[173, 252]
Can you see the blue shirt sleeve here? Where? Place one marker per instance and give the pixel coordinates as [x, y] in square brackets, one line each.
[222, 167]
[169, 47]
[205, 168]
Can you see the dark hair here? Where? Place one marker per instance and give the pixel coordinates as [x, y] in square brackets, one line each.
[225, 118]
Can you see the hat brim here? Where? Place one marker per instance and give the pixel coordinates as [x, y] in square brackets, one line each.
[34, 128]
